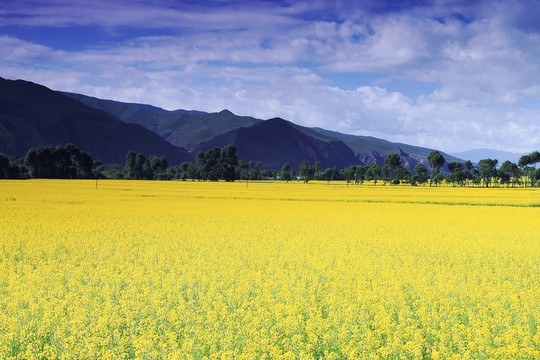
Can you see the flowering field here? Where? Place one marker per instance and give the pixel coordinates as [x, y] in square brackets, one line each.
[193, 270]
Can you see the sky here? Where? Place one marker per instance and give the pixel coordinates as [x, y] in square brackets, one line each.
[450, 75]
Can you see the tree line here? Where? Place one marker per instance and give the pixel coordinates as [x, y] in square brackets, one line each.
[68, 162]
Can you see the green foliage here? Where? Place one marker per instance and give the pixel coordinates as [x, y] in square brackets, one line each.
[488, 170]
[525, 161]
[59, 162]
[392, 161]
[306, 172]
[285, 173]
[229, 160]
[421, 176]
[436, 161]
[375, 172]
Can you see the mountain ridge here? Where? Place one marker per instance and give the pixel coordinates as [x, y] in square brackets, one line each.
[33, 115]
[367, 149]
[99, 126]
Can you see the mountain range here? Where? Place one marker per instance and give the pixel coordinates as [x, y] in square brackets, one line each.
[33, 115]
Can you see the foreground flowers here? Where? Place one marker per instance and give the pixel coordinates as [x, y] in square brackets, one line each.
[159, 270]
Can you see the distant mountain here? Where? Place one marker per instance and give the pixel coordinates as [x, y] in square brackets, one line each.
[190, 129]
[476, 155]
[180, 127]
[33, 115]
[372, 150]
[277, 141]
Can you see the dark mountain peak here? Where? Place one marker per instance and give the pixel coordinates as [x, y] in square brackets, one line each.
[277, 141]
[226, 112]
[277, 121]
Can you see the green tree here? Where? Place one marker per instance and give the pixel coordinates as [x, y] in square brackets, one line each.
[348, 173]
[134, 166]
[140, 160]
[328, 175]
[375, 171]
[458, 174]
[488, 170]
[285, 173]
[83, 165]
[129, 167]
[436, 161]
[421, 176]
[318, 168]
[393, 161]
[306, 172]
[524, 162]
[243, 170]
[38, 162]
[199, 164]
[229, 160]
[509, 173]
[360, 174]
[468, 166]
[212, 165]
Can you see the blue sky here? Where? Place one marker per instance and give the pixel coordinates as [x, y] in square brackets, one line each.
[451, 75]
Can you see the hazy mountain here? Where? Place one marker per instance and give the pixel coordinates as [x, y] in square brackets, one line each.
[277, 141]
[475, 155]
[180, 127]
[372, 150]
[33, 115]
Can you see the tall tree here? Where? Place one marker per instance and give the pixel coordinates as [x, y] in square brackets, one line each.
[488, 170]
[457, 173]
[40, 162]
[393, 161]
[129, 167]
[348, 173]
[524, 163]
[157, 167]
[285, 173]
[306, 171]
[212, 165]
[436, 161]
[360, 174]
[229, 160]
[375, 171]
[258, 171]
[469, 166]
[83, 165]
[509, 173]
[421, 176]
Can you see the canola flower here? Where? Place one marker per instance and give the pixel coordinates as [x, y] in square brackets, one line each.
[198, 270]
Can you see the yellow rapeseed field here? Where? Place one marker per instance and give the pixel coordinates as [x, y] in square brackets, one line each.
[198, 270]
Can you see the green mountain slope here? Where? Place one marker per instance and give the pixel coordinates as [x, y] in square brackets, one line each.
[180, 127]
[33, 115]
